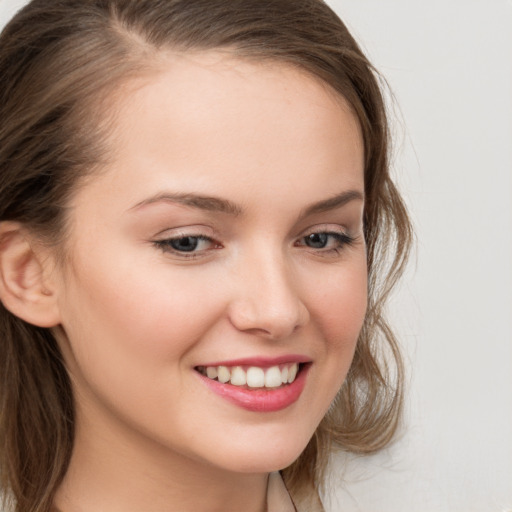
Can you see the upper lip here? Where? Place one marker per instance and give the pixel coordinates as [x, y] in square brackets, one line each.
[261, 361]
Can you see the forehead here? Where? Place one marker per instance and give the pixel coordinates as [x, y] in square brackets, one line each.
[202, 120]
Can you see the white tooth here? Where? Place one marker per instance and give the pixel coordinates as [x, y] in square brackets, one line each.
[211, 372]
[284, 375]
[238, 377]
[255, 377]
[273, 377]
[223, 374]
[292, 372]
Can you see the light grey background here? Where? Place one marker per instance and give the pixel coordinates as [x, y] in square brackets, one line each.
[449, 64]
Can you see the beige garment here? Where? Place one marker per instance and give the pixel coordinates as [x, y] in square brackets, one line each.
[278, 499]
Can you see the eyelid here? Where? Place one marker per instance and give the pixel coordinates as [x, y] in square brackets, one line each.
[182, 231]
[326, 228]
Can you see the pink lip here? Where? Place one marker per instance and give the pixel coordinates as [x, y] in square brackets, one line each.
[262, 362]
[261, 399]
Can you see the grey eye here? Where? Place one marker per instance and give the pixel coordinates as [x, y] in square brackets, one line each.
[185, 244]
[317, 240]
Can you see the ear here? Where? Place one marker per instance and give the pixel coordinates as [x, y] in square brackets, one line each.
[25, 288]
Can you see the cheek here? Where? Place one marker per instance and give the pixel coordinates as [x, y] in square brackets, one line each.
[112, 312]
[340, 306]
[131, 336]
[339, 312]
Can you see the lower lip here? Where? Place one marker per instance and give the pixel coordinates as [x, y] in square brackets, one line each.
[260, 399]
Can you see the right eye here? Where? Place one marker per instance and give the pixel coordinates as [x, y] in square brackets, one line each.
[186, 246]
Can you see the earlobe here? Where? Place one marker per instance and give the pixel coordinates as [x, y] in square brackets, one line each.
[24, 288]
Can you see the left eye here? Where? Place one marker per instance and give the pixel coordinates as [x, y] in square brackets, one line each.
[325, 240]
[185, 244]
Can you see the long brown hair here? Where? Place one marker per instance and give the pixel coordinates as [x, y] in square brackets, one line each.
[60, 61]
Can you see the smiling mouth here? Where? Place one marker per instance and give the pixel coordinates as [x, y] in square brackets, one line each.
[253, 377]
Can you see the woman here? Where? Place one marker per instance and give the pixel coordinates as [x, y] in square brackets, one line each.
[197, 221]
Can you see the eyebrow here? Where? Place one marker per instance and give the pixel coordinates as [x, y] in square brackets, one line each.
[217, 204]
[208, 203]
[333, 202]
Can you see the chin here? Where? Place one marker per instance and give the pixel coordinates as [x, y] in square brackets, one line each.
[263, 463]
[265, 455]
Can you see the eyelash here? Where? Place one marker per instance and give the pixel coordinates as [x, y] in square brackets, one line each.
[165, 245]
[342, 240]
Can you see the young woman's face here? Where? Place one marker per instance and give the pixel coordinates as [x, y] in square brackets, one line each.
[219, 251]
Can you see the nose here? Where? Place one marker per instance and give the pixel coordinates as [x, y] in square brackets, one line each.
[266, 300]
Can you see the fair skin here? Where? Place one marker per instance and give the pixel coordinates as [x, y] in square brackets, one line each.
[160, 283]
